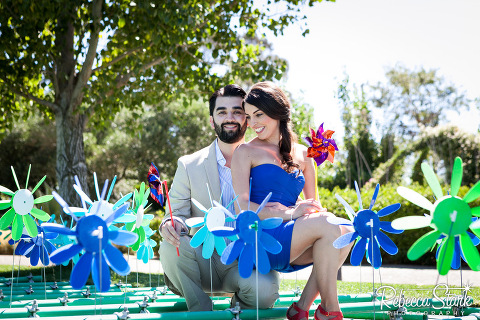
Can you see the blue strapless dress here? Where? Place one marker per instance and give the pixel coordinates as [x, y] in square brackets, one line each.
[285, 188]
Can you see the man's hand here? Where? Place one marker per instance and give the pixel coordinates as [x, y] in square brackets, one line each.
[170, 234]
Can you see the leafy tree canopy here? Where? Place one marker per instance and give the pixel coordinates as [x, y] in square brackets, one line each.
[412, 99]
[80, 61]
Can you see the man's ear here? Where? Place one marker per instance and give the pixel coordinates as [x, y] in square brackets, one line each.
[211, 122]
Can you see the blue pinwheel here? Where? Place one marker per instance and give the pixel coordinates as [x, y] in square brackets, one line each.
[63, 240]
[457, 253]
[368, 228]
[249, 229]
[145, 251]
[89, 206]
[36, 248]
[94, 237]
[214, 218]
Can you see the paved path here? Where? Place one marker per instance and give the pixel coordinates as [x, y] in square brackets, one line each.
[399, 274]
[395, 274]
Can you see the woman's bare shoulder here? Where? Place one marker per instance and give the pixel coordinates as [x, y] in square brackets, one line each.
[245, 150]
[300, 151]
[300, 147]
[300, 155]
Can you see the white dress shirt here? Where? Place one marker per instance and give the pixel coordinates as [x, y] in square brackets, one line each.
[226, 186]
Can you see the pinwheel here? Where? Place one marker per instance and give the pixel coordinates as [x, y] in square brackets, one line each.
[141, 220]
[249, 229]
[155, 184]
[94, 237]
[214, 218]
[321, 145]
[90, 207]
[368, 228]
[22, 208]
[63, 240]
[450, 216]
[457, 253]
[36, 248]
[145, 251]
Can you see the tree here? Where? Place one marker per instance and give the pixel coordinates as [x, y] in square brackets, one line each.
[361, 149]
[412, 99]
[445, 142]
[115, 151]
[80, 61]
[28, 143]
[164, 137]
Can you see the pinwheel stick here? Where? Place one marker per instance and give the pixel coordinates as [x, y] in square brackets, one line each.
[316, 182]
[170, 208]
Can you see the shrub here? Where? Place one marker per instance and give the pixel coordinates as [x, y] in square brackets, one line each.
[388, 195]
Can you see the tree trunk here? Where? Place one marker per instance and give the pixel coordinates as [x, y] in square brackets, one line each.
[70, 156]
[69, 124]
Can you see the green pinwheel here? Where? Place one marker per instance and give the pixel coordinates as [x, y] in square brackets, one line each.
[22, 211]
[142, 221]
[450, 217]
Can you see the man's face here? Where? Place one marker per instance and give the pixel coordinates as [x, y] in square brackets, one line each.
[228, 119]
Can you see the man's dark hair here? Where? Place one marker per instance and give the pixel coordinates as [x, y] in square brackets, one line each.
[231, 90]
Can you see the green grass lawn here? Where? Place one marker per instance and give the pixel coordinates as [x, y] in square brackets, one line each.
[154, 279]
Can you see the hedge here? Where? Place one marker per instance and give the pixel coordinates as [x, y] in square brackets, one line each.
[388, 195]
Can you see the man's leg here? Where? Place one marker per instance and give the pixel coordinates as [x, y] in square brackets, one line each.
[245, 289]
[185, 273]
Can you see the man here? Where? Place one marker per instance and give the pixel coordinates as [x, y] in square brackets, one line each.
[189, 274]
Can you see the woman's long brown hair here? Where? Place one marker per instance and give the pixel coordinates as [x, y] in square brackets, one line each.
[270, 99]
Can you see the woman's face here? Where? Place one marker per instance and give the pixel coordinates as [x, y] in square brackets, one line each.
[265, 127]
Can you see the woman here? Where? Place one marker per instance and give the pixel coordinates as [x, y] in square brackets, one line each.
[279, 165]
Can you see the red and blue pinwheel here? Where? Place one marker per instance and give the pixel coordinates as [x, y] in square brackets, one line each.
[155, 184]
[93, 236]
[368, 228]
[249, 229]
[321, 145]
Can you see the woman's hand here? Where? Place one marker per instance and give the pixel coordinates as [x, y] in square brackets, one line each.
[304, 207]
[301, 208]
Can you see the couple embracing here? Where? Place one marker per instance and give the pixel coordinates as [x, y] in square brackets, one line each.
[275, 163]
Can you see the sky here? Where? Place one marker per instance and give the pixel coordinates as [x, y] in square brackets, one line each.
[364, 37]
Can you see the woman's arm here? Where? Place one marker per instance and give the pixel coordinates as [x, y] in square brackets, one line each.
[241, 166]
[309, 175]
[310, 179]
[242, 162]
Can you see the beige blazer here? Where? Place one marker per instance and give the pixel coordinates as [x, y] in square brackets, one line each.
[193, 173]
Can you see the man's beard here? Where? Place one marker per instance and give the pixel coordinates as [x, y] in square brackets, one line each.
[230, 136]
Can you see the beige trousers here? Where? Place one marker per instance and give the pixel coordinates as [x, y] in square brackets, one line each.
[189, 276]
